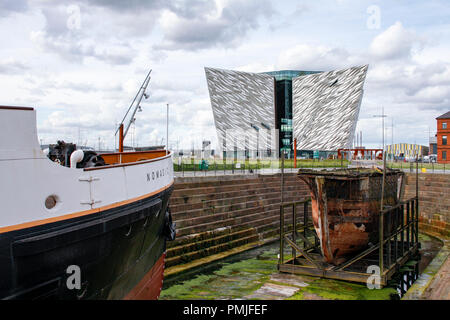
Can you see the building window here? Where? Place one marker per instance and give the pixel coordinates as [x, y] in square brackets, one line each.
[434, 147]
[444, 125]
[444, 140]
[444, 155]
[286, 128]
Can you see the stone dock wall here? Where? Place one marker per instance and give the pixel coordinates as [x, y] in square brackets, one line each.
[434, 201]
[217, 214]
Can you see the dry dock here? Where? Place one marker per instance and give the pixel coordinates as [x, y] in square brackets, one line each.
[220, 217]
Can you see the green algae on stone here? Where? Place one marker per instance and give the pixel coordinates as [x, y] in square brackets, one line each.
[340, 290]
[242, 278]
[423, 237]
[232, 281]
[264, 267]
[188, 289]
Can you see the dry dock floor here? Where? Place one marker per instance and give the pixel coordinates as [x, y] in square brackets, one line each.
[253, 275]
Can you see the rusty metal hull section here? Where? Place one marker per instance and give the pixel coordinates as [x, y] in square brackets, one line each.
[345, 206]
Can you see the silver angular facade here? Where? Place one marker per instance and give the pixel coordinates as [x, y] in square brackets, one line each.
[243, 106]
[325, 108]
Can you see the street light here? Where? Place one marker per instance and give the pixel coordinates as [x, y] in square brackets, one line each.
[268, 139]
[167, 131]
[382, 116]
[257, 138]
[392, 142]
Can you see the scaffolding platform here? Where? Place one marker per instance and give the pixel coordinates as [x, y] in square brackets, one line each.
[398, 236]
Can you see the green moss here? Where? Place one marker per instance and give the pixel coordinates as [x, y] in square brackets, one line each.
[284, 284]
[237, 280]
[233, 280]
[340, 290]
[423, 237]
[191, 289]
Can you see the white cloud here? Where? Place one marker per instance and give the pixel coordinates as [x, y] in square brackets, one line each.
[86, 78]
[77, 45]
[315, 58]
[394, 43]
[225, 25]
[256, 67]
[410, 88]
[12, 6]
[12, 66]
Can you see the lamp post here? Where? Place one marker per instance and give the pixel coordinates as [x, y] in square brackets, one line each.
[382, 116]
[167, 131]
[268, 142]
[257, 139]
[392, 142]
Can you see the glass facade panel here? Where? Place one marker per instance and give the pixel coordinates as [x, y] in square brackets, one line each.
[289, 74]
[283, 105]
[243, 100]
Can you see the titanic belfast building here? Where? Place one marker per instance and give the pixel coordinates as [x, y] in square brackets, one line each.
[267, 111]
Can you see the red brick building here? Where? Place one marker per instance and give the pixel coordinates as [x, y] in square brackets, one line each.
[443, 135]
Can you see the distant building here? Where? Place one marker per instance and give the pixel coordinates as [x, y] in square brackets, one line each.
[402, 151]
[443, 132]
[318, 109]
[433, 145]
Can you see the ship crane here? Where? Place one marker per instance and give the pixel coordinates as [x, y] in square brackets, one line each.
[137, 107]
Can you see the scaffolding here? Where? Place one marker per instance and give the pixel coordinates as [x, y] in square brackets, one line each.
[398, 242]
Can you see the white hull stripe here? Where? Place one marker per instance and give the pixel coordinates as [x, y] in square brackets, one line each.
[80, 213]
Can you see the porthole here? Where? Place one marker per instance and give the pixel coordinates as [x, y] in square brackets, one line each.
[51, 201]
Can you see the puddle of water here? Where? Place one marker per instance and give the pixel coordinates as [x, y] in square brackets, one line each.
[253, 275]
[429, 249]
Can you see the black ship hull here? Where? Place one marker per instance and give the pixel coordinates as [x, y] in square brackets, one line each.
[118, 251]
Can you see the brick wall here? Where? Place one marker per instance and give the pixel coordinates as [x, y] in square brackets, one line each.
[216, 214]
[434, 201]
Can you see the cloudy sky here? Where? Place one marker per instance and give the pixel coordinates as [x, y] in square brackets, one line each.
[80, 63]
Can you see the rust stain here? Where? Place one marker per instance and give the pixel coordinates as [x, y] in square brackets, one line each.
[345, 208]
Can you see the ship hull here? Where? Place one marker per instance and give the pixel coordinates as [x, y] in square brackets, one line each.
[118, 253]
[345, 210]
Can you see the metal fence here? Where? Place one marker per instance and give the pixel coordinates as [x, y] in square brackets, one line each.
[216, 167]
[398, 243]
[199, 167]
[410, 166]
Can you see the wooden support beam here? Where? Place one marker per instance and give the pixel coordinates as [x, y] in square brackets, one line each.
[303, 252]
[357, 258]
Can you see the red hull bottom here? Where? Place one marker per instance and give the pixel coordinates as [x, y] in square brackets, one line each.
[149, 288]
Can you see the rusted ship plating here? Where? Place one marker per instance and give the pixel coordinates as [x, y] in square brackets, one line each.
[345, 207]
